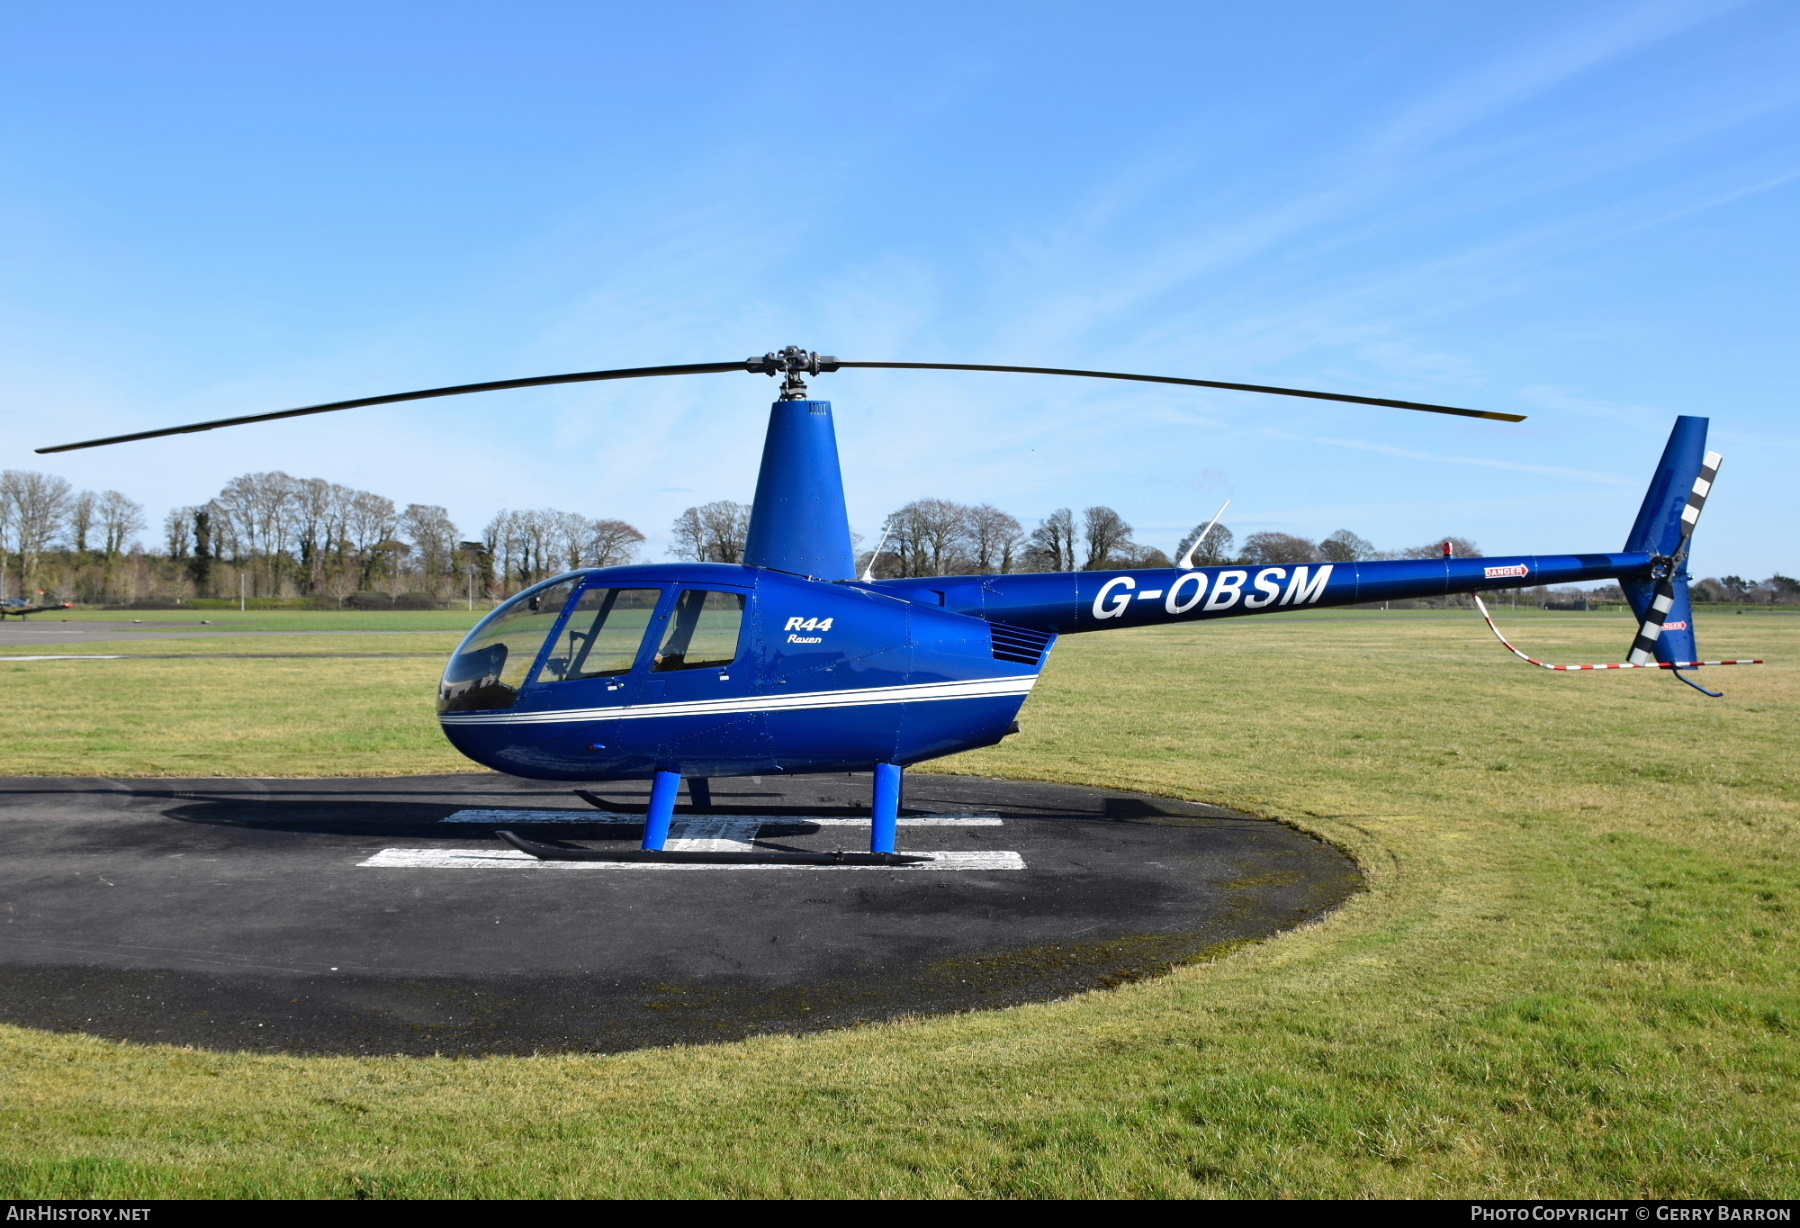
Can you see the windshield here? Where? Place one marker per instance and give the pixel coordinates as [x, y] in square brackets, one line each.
[490, 667]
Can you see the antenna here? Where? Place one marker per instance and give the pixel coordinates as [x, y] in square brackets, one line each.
[1187, 560]
[868, 576]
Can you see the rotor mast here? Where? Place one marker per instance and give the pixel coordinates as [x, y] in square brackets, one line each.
[798, 520]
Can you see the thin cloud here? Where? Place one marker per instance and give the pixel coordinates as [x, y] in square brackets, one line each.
[1509, 82]
[1585, 475]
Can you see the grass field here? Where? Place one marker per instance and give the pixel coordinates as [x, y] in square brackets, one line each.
[1575, 972]
[447, 621]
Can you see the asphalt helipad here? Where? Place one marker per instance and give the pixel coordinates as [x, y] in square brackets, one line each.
[384, 916]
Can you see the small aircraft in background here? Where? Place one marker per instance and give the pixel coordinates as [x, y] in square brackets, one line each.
[790, 663]
[18, 607]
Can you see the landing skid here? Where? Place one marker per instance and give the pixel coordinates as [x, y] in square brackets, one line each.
[600, 803]
[550, 852]
[699, 798]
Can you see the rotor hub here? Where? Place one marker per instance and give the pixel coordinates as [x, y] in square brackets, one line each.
[792, 363]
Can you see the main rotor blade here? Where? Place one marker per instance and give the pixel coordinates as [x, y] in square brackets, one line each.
[582, 377]
[1197, 383]
[769, 365]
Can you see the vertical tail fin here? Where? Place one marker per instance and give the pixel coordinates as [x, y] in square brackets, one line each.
[1664, 529]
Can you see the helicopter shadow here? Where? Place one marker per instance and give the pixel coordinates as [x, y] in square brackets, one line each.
[617, 813]
[425, 820]
[323, 816]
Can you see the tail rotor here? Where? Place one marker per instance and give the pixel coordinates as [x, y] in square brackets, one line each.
[1664, 530]
[1670, 610]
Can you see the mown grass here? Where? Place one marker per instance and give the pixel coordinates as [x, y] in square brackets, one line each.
[279, 620]
[220, 717]
[439, 643]
[1574, 973]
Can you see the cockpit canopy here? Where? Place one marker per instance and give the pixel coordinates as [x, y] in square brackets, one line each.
[573, 628]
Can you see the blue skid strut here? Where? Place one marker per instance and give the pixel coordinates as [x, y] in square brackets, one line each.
[663, 790]
[885, 819]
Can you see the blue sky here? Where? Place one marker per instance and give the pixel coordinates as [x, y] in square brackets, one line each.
[1583, 212]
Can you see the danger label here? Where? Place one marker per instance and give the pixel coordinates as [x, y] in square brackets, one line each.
[1499, 573]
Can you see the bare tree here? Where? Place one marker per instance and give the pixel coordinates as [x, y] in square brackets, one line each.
[1052, 544]
[1216, 549]
[313, 523]
[524, 545]
[343, 572]
[1142, 556]
[371, 522]
[568, 537]
[498, 540]
[713, 532]
[37, 508]
[275, 509]
[433, 536]
[531, 545]
[1344, 546]
[81, 520]
[690, 536]
[611, 543]
[235, 511]
[119, 518]
[178, 532]
[1271, 547]
[539, 530]
[1108, 538]
[1461, 547]
[993, 538]
[259, 510]
[930, 537]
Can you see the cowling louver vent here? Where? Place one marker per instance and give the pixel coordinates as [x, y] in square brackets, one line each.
[1019, 644]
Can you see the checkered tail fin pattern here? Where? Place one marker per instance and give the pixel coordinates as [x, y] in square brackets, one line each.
[1666, 622]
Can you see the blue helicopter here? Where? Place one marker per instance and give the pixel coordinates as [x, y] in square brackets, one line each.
[790, 663]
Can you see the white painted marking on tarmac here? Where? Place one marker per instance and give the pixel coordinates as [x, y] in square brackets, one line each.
[512, 859]
[721, 833]
[541, 816]
[608, 817]
[930, 820]
[714, 835]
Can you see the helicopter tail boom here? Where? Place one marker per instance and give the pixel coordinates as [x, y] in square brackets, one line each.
[1072, 602]
[1652, 571]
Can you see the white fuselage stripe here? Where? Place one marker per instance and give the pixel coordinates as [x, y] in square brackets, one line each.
[928, 692]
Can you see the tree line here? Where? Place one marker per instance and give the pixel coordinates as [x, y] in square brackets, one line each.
[939, 537]
[274, 535]
[936, 537]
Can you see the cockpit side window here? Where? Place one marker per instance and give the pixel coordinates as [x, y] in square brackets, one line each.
[603, 634]
[703, 631]
[490, 667]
